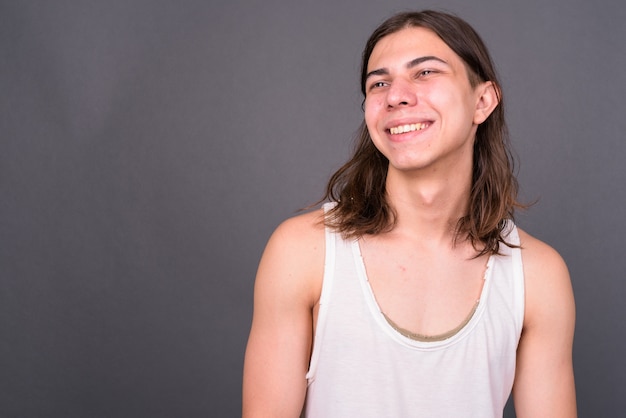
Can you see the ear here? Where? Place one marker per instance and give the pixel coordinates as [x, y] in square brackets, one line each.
[487, 99]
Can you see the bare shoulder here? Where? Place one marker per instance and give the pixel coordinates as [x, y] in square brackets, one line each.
[301, 237]
[304, 229]
[294, 255]
[540, 258]
[548, 285]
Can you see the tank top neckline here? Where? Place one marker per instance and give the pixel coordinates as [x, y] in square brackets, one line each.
[461, 332]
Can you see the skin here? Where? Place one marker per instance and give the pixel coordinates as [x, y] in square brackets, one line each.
[429, 285]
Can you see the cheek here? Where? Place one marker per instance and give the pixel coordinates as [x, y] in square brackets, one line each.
[371, 109]
[438, 96]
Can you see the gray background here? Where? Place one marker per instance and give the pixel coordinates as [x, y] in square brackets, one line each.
[149, 148]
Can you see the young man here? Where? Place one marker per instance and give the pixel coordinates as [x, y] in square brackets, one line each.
[414, 294]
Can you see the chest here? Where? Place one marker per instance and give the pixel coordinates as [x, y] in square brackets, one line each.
[424, 291]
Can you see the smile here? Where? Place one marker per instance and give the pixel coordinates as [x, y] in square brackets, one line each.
[408, 128]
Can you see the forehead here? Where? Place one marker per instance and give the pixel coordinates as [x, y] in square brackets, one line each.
[407, 44]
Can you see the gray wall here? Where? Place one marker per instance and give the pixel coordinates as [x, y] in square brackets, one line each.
[149, 148]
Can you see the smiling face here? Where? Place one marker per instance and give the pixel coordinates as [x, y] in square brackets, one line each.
[420, 107]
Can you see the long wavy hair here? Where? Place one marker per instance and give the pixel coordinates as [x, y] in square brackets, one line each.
[359, 186]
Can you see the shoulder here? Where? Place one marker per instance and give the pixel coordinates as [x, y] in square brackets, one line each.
[300, 237]
[547, 281]
[294, 256]
[540, 258]
[305, 228]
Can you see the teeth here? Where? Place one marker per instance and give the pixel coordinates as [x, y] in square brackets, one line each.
[408, 128]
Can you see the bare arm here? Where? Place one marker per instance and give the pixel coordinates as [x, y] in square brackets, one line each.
[288, 285]
[544, 380]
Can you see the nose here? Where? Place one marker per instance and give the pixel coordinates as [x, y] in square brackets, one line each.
[401, 93]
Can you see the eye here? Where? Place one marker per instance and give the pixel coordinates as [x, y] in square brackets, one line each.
[378, 84]
[425, 73]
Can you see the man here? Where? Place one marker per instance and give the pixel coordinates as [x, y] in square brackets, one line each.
[414, 294]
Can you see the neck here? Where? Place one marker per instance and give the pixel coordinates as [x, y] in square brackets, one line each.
[429, 206]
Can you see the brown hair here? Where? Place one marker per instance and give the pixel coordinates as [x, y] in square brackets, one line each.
[358, 186]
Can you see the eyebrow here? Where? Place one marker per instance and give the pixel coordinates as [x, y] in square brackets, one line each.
[413, 63]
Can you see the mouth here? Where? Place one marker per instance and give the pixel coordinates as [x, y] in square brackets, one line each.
[411, 127]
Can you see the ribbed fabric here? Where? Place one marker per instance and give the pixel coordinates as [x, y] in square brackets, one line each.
[362, 367]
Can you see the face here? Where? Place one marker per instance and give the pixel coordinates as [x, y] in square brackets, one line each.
[420, 109]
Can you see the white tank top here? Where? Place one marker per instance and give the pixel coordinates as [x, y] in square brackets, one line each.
[362, 367]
